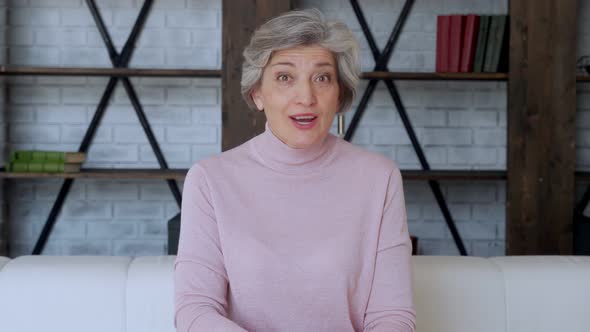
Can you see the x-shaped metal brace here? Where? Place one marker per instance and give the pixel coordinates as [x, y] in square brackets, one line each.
[119, 60]
[381, 60]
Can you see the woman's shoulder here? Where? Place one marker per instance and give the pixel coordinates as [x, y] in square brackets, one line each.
[361, 157]
[235, 158]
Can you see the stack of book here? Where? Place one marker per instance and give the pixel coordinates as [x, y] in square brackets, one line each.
[472, 43]
[33, 161]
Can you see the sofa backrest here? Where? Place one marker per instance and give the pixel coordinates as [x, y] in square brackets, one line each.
[515, 294]
[150, 299]
[63, 293]
[546, 293]
[458, 294]
[3, 260]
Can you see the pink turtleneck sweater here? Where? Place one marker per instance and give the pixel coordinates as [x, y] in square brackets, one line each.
[281, 239]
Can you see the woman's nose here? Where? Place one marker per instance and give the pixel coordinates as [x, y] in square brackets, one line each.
[305, 93]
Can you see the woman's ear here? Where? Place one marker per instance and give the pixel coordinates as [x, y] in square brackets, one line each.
[255, 94]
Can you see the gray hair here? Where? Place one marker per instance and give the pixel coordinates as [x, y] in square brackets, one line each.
[302, 28]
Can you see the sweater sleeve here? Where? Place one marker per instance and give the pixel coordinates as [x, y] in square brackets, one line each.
[390, 306]
[200, 278]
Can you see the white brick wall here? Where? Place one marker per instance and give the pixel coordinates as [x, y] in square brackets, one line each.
[461, 125]
[110, 217]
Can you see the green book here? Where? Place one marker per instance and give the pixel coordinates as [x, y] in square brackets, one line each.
[503, 54]
[42, 167]
[482, 40]
[488, 66]
[497, 38]
[53, 156]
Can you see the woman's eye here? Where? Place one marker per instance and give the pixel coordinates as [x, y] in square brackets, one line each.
[323, 78]
[282, 78]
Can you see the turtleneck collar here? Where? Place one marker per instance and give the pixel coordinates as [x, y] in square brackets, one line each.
[285, 159]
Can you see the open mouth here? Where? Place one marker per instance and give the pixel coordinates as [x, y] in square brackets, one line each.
[304, 120]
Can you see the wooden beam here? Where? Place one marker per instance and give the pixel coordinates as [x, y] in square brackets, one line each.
[240, 19]
[541, 131]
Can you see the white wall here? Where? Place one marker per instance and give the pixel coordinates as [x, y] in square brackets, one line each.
[110, 217]
[461, 125]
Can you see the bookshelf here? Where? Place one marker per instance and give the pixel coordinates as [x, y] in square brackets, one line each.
[269, 8]
[118, 72]
[541, 131]
[236, 127]
[178, 174]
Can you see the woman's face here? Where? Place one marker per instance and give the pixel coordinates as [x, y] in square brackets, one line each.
[299, 94]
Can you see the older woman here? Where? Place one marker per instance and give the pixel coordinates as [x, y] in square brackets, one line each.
[296, 229]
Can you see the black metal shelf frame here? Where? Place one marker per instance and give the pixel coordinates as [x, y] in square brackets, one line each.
[119, 60]
[381, 60]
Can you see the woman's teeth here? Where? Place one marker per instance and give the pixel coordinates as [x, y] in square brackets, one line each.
[303, 119]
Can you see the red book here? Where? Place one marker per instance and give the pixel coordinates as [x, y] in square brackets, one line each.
[469, 43]
[456, 42]
[443, 32]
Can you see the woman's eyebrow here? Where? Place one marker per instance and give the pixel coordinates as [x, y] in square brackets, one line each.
[283, 64]
[321, 64]
[324, 64]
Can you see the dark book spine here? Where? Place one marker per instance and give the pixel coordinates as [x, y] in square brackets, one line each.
[482, 41]
[502, 61]
[490, 64]
[499, 36]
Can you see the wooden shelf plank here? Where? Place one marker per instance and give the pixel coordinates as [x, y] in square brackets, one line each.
[446, 76]
[216, 73]
[409, 76]
[435, 76]
[454, 175]
[102, 173]
[179, 174]
[111, 72]
[582, 176]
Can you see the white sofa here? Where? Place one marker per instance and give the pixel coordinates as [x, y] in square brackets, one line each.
[455, 294]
